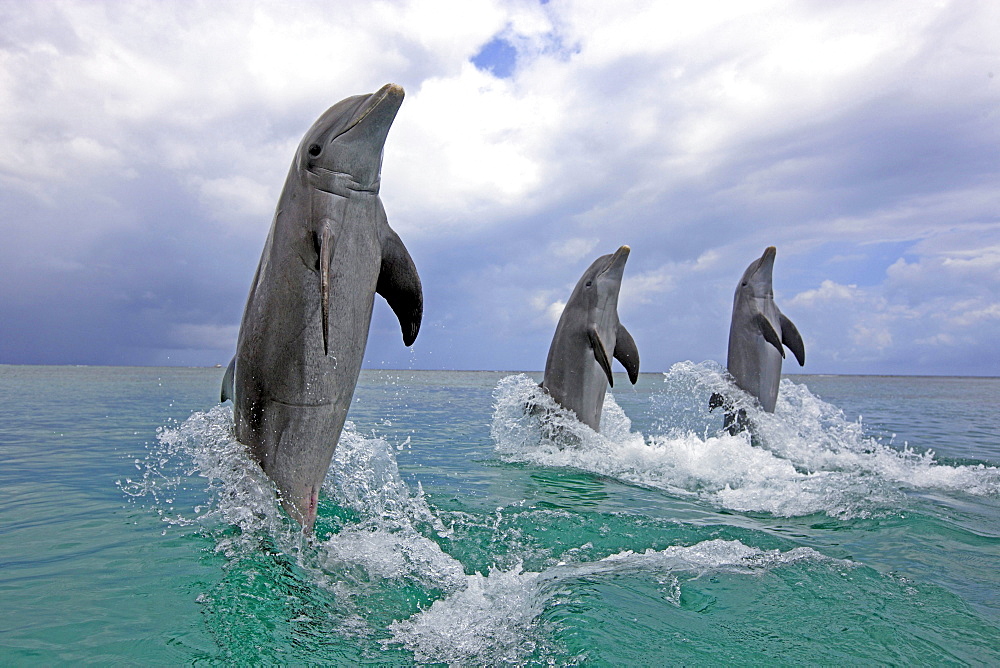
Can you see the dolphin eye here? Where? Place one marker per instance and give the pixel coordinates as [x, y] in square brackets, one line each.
[589, 283]
[315, 150]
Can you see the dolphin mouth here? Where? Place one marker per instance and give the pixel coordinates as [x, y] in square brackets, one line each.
[617, 260]
[390, 90]
[767, 259]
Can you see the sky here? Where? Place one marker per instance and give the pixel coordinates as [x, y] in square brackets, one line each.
[143, 147]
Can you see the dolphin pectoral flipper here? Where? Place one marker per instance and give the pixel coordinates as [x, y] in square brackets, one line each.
[790, 337]
[767, 330]
[600, 353]
[627, 353]
[399, 284]
[325, 243]
[228, 382]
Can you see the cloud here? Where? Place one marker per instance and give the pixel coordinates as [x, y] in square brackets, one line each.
[144, 146]
[943, 305]
[236, 197]
[573, 249]
[473, 136]
[554, 311]
[646, 287]
[828, 291]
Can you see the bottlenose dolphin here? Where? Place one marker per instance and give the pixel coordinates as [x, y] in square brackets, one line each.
[756, 335]
[305, 326]
[578, 367]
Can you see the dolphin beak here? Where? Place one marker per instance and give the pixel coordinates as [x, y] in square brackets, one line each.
[377, 114]
[616, 265]
[767, 259]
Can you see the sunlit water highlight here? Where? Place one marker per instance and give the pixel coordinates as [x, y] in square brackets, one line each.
[457, 527]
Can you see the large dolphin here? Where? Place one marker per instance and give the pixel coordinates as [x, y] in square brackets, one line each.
[578, 367]
[756, 335]
[305, 326]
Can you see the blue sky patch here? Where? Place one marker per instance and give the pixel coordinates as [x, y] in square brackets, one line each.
[498, 56]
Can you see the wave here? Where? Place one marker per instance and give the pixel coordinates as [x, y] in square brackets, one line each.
[804, 458]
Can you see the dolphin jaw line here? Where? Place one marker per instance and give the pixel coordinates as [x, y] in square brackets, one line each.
[364, 114]
[339, 183]
[623, 251]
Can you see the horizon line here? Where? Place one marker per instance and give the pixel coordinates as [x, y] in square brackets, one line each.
[365, 368]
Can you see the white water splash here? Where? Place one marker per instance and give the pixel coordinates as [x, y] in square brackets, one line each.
[386, 542]
[491, 619]
[386, 548]
[494, 618]
[475, 618]
[805, 458]
[203, 446]
[815, 435]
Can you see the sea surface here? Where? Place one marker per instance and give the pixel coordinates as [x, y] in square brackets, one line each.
[467, 520]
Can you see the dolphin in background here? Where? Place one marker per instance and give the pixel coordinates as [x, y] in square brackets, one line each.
[578, 367]
[305, 326]
[757, 334]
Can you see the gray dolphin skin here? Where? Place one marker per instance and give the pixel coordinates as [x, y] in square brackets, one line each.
[756, 335]
[578, 367]
[305, 326]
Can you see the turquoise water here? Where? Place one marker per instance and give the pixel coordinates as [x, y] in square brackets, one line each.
[860, 525]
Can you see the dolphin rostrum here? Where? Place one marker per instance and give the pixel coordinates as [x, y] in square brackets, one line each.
[578, 367]
[756, 335]
[305, 326]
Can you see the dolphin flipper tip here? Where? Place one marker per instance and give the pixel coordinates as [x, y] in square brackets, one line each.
[627, 353]
[399, 284]
[228, 383]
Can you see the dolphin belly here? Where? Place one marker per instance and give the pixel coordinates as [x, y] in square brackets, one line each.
[769, 375]
[294, 446]
[577, 382]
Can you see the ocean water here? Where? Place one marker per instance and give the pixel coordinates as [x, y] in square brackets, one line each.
[860, 524]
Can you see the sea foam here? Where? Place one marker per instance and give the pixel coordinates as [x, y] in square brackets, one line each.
[805, 458]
